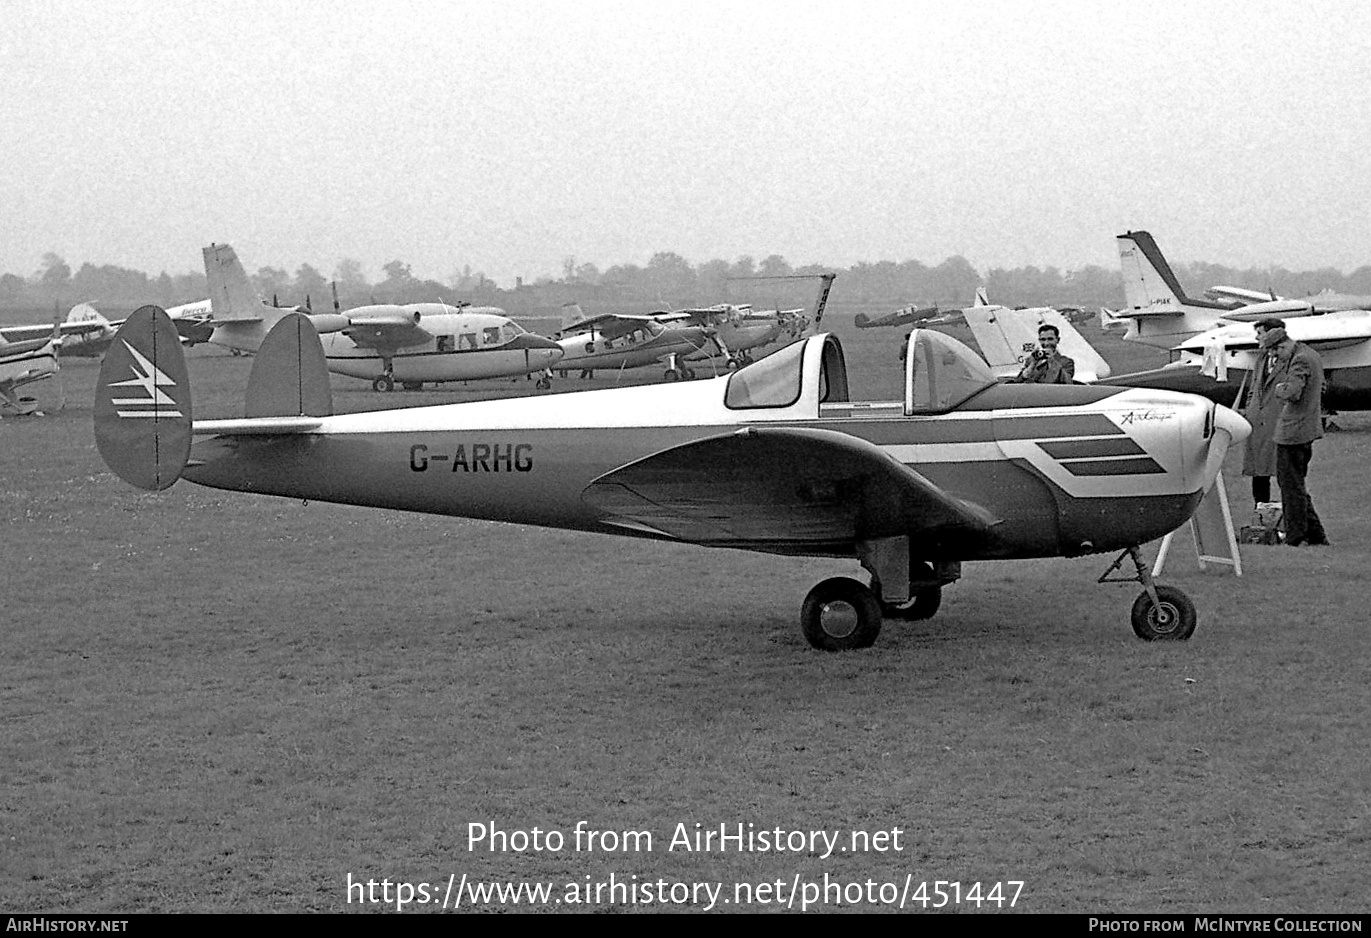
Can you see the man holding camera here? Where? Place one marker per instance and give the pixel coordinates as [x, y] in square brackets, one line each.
[1045, 365]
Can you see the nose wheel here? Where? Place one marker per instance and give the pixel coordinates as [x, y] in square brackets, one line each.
[1160, 613]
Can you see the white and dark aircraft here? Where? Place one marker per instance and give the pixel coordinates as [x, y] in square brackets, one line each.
[22, 363]
[410, 343]
[774, 457]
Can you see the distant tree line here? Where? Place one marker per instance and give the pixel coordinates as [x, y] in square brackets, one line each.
[667, 280]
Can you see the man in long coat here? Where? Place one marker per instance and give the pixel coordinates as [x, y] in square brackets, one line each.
[1291, 374]
[1262, 408]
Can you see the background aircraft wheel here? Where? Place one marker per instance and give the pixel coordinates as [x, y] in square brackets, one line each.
[670, 374]
[688, 374]
[412, 385]
[924, 605]
[383, 383]
[543, 384]
[841, 614]
[1172, 621]
[733, 364]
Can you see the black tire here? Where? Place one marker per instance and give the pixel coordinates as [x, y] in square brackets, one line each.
[383, 383]
[688, 374]
[841, 614]
[671, 375]
[1174, 622]
[733, 364]
[543, 384]
[923, 605]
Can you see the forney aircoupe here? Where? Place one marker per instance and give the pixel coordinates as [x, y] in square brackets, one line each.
[772, 458]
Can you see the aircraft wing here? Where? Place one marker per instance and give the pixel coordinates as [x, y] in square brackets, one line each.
[387, 331]
[30, 333]
[611, 325]
[778, 488]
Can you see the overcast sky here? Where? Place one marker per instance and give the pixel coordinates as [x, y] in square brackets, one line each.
[512, 135]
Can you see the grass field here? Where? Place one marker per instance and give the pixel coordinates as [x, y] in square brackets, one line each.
[218, 702]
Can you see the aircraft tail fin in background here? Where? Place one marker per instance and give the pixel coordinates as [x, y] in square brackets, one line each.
[143, 404]
[289, 374]
[1150, 286]
[982, 298]
[230, 292]
[571, 314]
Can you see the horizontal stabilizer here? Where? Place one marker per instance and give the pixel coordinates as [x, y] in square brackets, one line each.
[289, 374]
[142, 402]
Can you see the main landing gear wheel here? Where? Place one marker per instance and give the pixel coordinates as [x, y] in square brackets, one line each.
[1172, 619]
[923, 605]
[544, 384]
[841, 614]
[671, 375]
[383, 383]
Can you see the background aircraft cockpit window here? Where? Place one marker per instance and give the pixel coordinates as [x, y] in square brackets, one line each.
[772, 382]
[943, 372]
[512, 331]
[490, 336]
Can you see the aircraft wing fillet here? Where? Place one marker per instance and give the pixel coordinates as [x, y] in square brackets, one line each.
[781, 486]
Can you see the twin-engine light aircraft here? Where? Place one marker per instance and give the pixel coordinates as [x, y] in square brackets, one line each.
[409, 343]
[773, 457]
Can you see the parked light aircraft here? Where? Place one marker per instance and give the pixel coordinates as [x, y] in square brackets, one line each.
[412, 343]
[773, 457]
[615, 341]
[906, 316]
[83, 329]
[1213, 339]
[22, 363]
[735, 332]
[1157, 308]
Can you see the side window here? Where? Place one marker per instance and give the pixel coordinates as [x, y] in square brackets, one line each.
[490, 336]
[467, 340]
[446, 343]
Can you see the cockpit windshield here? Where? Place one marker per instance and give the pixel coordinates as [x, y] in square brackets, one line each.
[941, 373]
[772, 382]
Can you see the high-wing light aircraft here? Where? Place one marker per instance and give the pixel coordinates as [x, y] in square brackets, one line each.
[412, 343]
[613, 341]
[772, 458]
[83, 330]
[23, 363]
[735, 331]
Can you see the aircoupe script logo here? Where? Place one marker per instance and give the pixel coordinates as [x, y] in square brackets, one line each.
[154, 403]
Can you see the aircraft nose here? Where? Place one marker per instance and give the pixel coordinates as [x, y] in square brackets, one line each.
[530, 340]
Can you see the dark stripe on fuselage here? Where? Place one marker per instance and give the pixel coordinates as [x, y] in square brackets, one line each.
[1054, 426]
[1087, 449]
[1114, 467]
